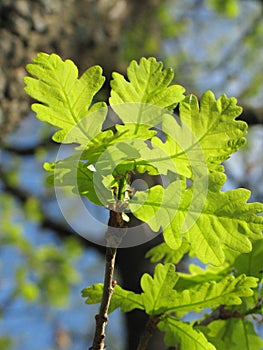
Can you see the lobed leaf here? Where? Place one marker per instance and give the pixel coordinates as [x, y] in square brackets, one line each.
[158, 288]
[234, 334]
[160, 292]
[169, 255]
[223, 219]
[251, 263]
[227, 291]
[124, 299]
[202, 137]
[198, 275]
[75, 175]
[65, 100]
[178, 332]
[213, 124]
[135, 101]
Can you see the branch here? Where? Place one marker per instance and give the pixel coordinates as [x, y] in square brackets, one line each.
[114, 239]
[102, 317]
[219, 313]
[148, 331]
[61, 230]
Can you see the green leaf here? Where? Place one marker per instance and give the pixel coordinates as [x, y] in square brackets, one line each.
[234, 334]
[203, 137]
[65, 100]
[99, 144]
[5, 343]
[157, 290]
[163, 251]
[29, 291]
[177, 332]
[214, 125]
[92, 171]
[229, 8]
[136, 100]
[160, 296]
[223, 219]
[198, 276]
[75, 175]
[228, 291]
[124, 299]
[33, 210]
[251, 263]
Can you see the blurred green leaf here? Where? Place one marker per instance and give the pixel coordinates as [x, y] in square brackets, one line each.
[234, 334]
[228, 8]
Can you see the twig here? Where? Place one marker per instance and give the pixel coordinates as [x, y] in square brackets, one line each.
[148, 332]
[115, 221]
[215, 315]
[219, 313]
[102, 317]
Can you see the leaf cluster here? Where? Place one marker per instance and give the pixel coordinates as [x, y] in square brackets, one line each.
[187, 151]
[170, 295]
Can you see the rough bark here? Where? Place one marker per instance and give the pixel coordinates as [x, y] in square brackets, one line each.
[87, 31]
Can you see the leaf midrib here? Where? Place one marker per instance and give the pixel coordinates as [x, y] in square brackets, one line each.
[181, 307]
[174, 156]
[63, 86]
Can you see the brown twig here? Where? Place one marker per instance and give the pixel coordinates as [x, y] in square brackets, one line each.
[114, 239]
[219, 313]
[147, 333]
[102, 317]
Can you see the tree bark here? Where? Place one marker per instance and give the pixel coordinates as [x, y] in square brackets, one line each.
[86, 31]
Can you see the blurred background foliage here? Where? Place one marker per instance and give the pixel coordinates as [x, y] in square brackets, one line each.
[211, 44]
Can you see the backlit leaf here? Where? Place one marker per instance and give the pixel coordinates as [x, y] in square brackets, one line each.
[234, 334]
[65, 100]
[177, 332]
[124, 299]
[143, 98]
[224, 218]
[158, 288]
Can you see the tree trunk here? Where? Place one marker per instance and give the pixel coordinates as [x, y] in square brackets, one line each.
[86, 31]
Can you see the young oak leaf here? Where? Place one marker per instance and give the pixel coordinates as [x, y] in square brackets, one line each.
[234, 334]
[65, 100]
[144, 97]
[160, 296]
[219, 219]
[178, 332]
[121, 298]
[75, 175]
[213, 125]
[203, 137]
[158, 289]
[91, 172]
[228, 291]
[107, 138]
[169, 255]
[198, 275]
[251, 263]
